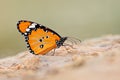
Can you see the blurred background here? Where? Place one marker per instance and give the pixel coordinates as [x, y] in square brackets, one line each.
[82, 19]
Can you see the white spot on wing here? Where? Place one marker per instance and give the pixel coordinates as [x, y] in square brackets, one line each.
[27, 29]
[25, 33]
[32, 25]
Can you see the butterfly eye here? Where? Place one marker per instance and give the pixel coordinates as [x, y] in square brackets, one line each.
[41, 46]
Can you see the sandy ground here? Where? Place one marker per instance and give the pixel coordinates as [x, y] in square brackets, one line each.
[93, 59]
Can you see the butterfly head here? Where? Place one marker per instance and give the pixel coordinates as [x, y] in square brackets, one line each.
[61, 41]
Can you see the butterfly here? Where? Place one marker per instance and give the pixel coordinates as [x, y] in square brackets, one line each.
[40, 39]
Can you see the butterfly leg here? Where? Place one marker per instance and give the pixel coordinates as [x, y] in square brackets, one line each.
[70, 47]
[53, 53]
[65, 44]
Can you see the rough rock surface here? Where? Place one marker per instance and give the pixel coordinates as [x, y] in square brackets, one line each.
[93, 59]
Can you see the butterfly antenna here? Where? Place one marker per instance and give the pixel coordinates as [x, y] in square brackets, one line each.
[74, 40]
[65, 44]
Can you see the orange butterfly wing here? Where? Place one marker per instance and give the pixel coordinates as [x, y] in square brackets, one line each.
[41, 42]
[40, 39]
[23, 25]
